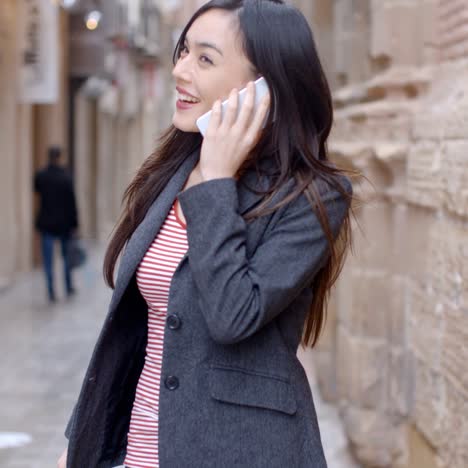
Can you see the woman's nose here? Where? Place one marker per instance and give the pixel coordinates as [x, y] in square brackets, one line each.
[181, 69]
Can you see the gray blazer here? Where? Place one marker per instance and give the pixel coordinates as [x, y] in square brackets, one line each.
[233, 393]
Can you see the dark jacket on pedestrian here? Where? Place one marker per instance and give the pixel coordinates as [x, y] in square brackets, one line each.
[57, 213]
[233, 393]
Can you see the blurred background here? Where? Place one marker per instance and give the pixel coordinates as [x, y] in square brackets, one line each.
[390, 375]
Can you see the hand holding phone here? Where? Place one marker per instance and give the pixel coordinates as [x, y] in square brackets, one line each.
[229, 138]
[261, 88]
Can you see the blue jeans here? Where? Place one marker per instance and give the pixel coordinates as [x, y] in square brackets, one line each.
[47, 244]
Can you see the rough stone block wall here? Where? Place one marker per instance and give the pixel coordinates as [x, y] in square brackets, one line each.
[453, 29]
[394, 356]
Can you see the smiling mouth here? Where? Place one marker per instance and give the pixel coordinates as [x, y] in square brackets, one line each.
[187, 99]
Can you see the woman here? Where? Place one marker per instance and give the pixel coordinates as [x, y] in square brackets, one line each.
[229, 251]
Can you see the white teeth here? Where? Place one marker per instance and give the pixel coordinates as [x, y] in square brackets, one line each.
[184, 97]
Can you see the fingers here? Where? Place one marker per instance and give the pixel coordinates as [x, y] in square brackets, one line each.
[255, 127]
[245, 115]
[231, 111]
[63, 459]
[215, 120]
[246, 122]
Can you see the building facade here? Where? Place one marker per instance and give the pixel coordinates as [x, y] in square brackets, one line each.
[120, 104]
[110, 102]
[27, 129]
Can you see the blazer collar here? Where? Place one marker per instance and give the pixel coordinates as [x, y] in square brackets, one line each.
[145, 233]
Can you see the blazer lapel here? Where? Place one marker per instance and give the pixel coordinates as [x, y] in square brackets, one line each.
[145, 233]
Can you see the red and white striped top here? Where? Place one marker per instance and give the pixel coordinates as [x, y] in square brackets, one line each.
[154, 276]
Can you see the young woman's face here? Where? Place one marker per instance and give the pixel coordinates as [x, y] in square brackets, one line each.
[210, 65]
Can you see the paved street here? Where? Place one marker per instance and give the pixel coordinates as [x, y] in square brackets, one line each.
[44, 353]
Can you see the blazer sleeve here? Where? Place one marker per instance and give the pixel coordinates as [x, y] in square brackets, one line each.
[240, 295]
[70, 423]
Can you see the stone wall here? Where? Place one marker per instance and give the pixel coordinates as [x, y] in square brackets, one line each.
[396, 346]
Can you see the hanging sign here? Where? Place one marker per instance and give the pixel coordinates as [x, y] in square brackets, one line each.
[38, 51]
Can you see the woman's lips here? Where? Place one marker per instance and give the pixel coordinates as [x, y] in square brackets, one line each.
[184, 105]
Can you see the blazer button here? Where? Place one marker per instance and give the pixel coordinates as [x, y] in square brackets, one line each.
[171, 382]
[174, 322]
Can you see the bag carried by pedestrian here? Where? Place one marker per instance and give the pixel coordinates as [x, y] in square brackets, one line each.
[76, 253]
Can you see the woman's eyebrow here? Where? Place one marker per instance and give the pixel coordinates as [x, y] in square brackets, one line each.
[209, 45]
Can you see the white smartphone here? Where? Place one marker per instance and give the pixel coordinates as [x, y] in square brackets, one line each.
[261, 88]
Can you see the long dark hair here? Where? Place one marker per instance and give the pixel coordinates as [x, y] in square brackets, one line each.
[278, 42]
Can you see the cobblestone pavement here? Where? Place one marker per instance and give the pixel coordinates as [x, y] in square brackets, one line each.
[45, 350]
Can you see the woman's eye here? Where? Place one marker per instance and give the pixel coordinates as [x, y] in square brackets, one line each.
[183, 50]
[205, 59]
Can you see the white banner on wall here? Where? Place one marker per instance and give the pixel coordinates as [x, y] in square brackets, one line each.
[38, 51]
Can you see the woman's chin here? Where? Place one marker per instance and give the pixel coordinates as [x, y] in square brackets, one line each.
[185, 125]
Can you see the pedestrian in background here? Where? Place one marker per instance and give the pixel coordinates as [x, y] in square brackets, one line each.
[230, 244]
[57, 218]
